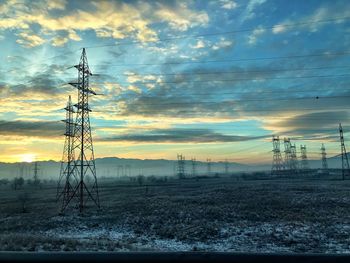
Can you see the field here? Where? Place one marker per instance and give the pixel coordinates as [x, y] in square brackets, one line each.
[213, 214]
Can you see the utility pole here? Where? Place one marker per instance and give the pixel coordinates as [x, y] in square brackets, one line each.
[344, 154]
[324, 159]
[181, 166]
[209, 166]
[193, 162]
[277, 164]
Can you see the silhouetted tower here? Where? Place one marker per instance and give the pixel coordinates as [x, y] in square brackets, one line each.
[181, 166]
[120, 170]
[67, 179]
[84, 162]
[226, 167]
[277, 163]
[36, 177]
[209, 166]
[194, 164]
[344, 154]
[324, 158]
[127, 170]
[287, 154]
[294, 159]
[304, 161]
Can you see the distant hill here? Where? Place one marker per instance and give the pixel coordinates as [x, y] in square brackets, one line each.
[114, 166]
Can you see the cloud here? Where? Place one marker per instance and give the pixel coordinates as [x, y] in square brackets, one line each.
[110, 19]
[56, 4]
[311, 22]
[228, 4]
[223, 43]
[312, 125]
[255, 34]
[178, 135]
[199, 44]
[180, 17]
[31, 128]
[249, 11]
[30, 40]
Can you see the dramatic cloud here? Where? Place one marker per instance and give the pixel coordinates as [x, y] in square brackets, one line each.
[108, 19]
[320, 124]
[31, 128]
[181, 136]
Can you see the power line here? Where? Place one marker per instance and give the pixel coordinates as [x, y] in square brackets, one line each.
[243, 100]
[238, 79]
[227, 60]
[229, 72]
[220, 33]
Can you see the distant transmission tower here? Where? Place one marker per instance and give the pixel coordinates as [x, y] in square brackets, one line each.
[277, 164]
[287, 154]
[344, 154]
[120, 171]
[84, 162]
[181, 166]
[194, 164]
[226, 166]
[304, 161]
[324, 159]
[67, 180]
[294, 159]
[127, 170]
[36, 177]
[209, 166]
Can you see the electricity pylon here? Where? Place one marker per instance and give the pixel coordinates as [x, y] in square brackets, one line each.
[67, 180]
[181, 166]
[287, 154]
[293, 160]
[324, 159]
[344, 154]
[277, 164]
[193, 162]
[226, 166]
[36, 178]
[209, 166]
[304, 161]
[84, 162]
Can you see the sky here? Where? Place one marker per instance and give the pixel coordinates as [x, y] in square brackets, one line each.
[206, 79]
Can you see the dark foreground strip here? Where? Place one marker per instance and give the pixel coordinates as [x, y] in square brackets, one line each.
[168, 257]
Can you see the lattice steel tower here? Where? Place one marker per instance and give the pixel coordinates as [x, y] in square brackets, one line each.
[287, 154]
[84, 163]
[277, 163]
[294, 160]
[344, 154]
[209, 166]
[304, 161]
[194, 164]
[67, 180]
[324, 158]
[36, 171]
[181, 166]
[226, 166]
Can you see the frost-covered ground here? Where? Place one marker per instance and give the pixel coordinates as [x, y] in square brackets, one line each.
[207, 215]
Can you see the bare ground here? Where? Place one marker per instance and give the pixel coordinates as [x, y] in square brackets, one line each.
[219, 214]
